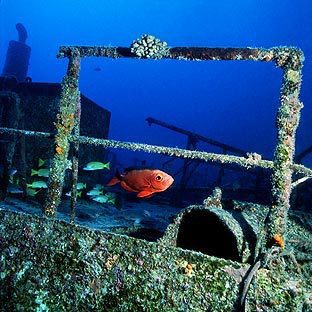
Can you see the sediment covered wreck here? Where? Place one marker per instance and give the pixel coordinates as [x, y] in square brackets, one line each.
[213, 257]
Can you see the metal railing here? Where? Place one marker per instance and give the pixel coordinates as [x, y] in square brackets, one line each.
[67, 124]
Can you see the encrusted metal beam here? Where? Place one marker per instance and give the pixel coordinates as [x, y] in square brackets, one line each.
[179, 53]
[65, 122]
[13, 131]
[291, 61]
[246, 162]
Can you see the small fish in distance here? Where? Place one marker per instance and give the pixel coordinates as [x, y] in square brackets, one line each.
[79, 194]
[97, 165]
[38, 184]
[108, 198]
[145, 182]
[40, 172]
[99, 187]
[95, 192]
[81, 186]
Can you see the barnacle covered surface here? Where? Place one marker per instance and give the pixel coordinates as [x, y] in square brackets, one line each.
[65, 122]
[66, 267]
[291, 271]
[291, 61]
[52, 265]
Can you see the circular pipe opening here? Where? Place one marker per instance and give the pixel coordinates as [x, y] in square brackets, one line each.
[203, 231]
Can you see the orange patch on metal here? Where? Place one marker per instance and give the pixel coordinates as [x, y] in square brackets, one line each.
[59, 150]
[279, 241]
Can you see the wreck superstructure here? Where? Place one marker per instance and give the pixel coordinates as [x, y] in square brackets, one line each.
[125, 274]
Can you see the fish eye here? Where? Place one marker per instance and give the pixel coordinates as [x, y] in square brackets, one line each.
[158, 178]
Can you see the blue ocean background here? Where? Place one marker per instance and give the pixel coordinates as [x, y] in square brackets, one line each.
[232, 102]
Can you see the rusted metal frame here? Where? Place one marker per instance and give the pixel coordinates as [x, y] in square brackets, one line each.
[291, 61]
[65, 123]
[13, 131]
[179, 53]
[195, 136]
[169, 151]
[183, 153]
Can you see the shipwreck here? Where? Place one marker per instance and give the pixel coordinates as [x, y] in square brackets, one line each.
[213, 257]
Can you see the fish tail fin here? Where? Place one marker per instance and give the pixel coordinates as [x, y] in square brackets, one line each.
[41, 162]
[116, 179]
[33, 172]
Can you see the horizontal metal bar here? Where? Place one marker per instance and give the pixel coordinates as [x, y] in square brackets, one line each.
[179, 53]
[169, 151]
[191, 154]
[11, 131]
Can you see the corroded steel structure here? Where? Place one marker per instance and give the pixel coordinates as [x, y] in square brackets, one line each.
[131, 263]
[289, 59]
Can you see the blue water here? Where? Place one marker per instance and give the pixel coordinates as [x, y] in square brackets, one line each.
[232, 102]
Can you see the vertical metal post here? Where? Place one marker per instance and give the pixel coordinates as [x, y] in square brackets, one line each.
[291, 60]
[75, 164]
[65, 122]
[10, 117]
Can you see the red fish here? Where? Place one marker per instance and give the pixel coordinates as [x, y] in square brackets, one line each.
[145, 182]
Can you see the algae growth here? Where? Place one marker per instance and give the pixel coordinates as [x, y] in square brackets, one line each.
[52, 265]
[61, 266]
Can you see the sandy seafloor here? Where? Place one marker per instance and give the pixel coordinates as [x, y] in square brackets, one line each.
[142, 218]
